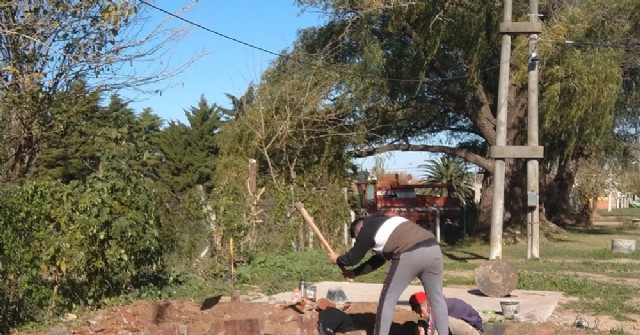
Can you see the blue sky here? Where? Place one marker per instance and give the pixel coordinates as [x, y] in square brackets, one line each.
[229, 66]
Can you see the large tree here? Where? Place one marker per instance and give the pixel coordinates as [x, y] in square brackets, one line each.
[422, 76]
[46, 46]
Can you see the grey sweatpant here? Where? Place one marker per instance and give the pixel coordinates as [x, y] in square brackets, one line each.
[425, 263]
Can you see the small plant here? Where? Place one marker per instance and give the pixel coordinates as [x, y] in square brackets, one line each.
[618, 331]
[630, 224]
[496, 319]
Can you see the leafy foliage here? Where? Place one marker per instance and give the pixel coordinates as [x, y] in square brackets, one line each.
[422, 77]
[85, 136]
[65, 245]
[47, 46]
[293, 130]
[453, 173]
[298, 138]
[188, 152]
[111, 203]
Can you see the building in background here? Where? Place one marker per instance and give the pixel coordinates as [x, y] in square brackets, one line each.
[398, 194]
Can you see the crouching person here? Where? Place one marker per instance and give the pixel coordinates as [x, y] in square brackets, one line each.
[332, 320]
[463, 319]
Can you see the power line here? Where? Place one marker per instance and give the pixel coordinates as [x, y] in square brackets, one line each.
[592, 44]
[211, 30]
[425, 80]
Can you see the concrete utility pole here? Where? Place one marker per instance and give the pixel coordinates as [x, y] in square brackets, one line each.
[533, 181]
[497, 208]
[501, 150]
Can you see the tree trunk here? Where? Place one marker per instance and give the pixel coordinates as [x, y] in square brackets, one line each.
[512, 199]
[484, 206]
[515, 194]
[20, 146]
[557, 199]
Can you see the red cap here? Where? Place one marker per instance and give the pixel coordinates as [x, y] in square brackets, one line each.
[416, 299]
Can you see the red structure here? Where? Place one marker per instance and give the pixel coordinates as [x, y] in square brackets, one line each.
[411, 202]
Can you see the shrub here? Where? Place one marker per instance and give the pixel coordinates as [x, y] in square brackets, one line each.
[65, 245]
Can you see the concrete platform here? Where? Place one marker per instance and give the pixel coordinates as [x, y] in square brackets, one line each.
[536, 306]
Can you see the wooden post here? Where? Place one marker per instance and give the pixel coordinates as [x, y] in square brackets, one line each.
[211, 219]
[251, 181]
[345, 227]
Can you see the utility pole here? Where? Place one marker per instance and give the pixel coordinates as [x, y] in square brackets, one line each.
[533, 180]
[501, 150]
[497, 208]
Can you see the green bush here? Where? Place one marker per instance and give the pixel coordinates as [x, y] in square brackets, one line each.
[69, 245]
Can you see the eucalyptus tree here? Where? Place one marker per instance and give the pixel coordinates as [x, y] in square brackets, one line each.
[46, 46]
[422, 76]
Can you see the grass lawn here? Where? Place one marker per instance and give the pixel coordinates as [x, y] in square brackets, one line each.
[578, 262]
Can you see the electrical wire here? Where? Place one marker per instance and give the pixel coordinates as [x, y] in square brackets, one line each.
[353, 73]
[592, 44]
[210, 30]
[285, 56]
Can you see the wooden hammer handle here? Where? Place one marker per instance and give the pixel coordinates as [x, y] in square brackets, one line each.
[300, 207]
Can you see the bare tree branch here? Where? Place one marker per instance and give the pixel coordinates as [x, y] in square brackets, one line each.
[468, 155]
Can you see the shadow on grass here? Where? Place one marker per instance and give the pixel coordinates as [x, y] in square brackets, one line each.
[593, 230]
[560, 239]
[471, 256]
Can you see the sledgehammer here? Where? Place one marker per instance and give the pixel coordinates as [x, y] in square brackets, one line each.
[309, 220]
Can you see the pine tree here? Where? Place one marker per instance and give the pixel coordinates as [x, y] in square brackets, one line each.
[189, 152]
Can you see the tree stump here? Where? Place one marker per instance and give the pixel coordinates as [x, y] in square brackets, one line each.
[496, 278]
[243, 326]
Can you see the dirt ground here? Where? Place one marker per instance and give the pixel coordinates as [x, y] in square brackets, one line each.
[192, 318]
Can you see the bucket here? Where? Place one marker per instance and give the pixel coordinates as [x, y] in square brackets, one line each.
[510, 308]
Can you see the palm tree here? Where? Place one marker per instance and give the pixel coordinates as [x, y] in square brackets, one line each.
[453, 172]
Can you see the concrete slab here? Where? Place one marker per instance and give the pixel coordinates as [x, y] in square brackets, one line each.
[536, 306]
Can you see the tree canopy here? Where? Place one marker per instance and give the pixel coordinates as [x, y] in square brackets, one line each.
[423, 77]
[47, 46]
[97, 199]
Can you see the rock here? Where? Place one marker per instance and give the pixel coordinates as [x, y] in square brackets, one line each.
[496, 278]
